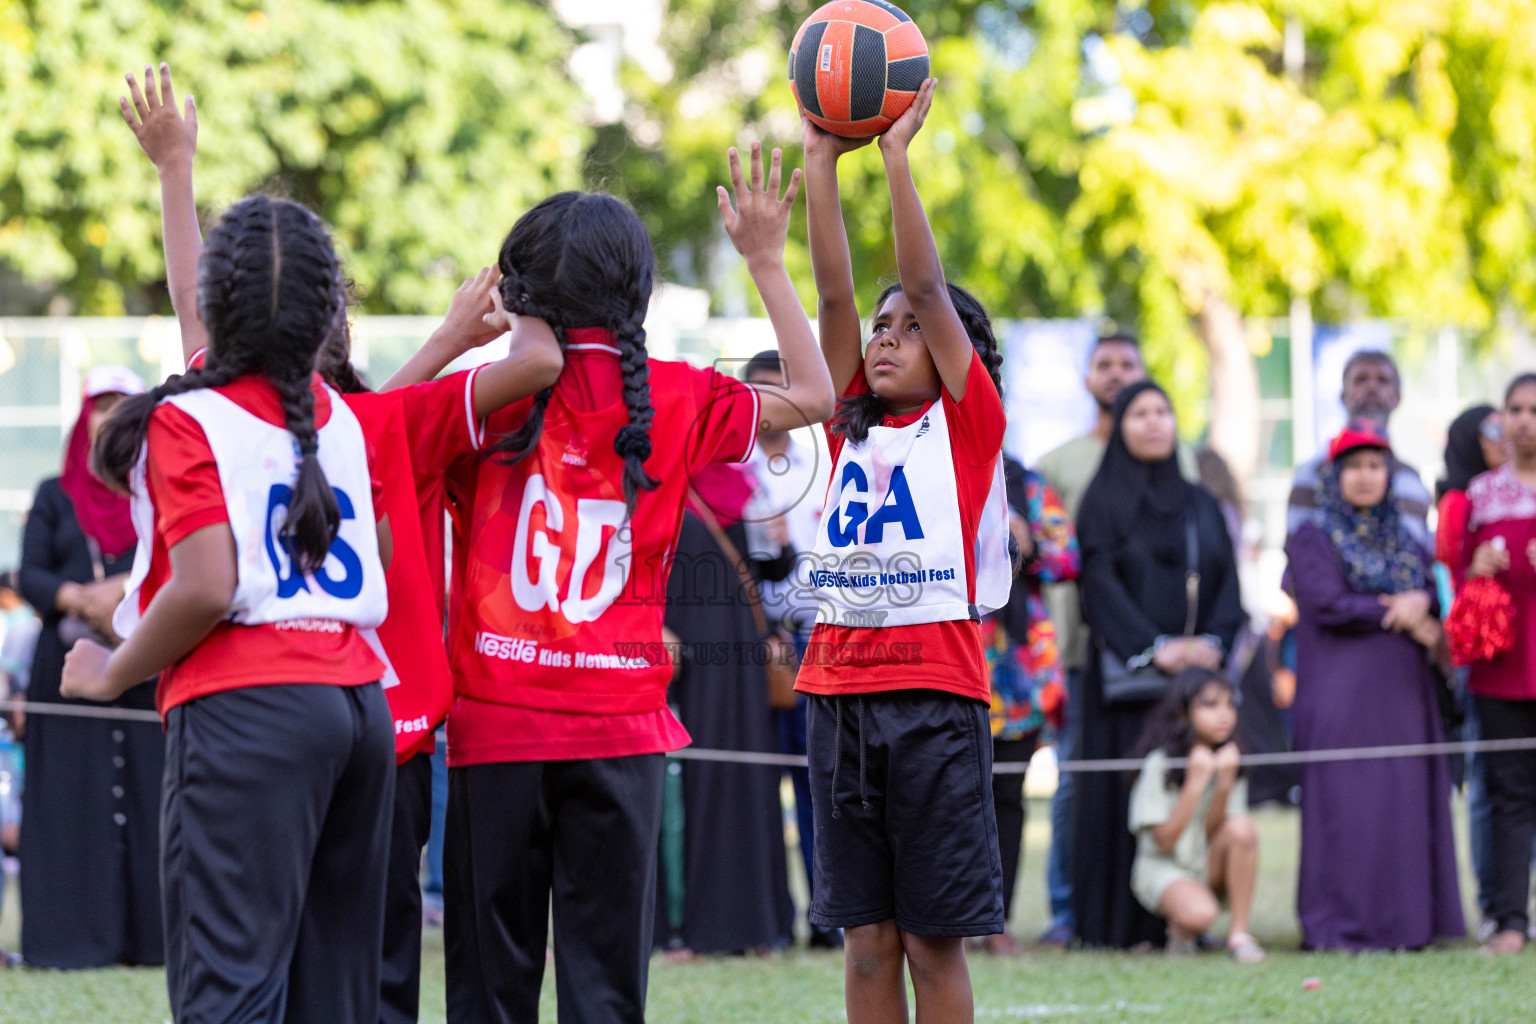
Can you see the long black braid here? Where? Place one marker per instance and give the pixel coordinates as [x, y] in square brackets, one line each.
[269, 292]
[583, 259]
[857, 413]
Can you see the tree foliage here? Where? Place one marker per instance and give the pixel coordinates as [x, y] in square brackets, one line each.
[1155, 162]
[418, 129]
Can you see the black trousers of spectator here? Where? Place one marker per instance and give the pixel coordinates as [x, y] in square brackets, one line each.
[1008, 802]
[275, 825]
[1511, 779]
[400, 973]
[584, 835]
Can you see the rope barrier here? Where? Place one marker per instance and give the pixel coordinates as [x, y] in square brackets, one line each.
[1290, 757]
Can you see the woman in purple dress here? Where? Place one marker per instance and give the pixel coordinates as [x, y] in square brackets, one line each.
[1378, 861]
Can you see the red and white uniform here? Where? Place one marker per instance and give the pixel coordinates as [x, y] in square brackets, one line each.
[284, 628]
[557, 604]
[912, 538]
[424, 426]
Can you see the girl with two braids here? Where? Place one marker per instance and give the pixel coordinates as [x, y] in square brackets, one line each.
[564, 536]
[912, 549]
[414, 430]
[259, 566]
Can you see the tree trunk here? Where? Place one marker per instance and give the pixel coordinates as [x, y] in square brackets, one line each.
[1234, 423]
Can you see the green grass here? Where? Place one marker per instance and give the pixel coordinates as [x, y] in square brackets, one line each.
[1449, 986]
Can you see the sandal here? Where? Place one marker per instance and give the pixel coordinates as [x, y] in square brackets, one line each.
[1244, 949]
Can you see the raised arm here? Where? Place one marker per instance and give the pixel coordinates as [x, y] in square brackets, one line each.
[169, 139]
[758, 226]
[917, 257]
[837, 310]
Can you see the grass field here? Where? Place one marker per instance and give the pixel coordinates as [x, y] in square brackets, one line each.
[1453, 986]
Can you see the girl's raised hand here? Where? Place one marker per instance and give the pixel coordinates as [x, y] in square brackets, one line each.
[165, 135]
[474, 317]
[819, 142]
[759, 223]
[899, 135]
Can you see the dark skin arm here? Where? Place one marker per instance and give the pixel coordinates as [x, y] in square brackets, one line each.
[837, 312]
[193, 601]
[917, 257]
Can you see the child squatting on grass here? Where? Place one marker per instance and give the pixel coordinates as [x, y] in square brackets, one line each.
[1196, 844]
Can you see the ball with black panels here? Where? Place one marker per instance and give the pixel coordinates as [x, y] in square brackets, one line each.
[856, 66]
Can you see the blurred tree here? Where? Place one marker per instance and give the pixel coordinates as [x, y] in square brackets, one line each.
[419, 129]
[1153, 162]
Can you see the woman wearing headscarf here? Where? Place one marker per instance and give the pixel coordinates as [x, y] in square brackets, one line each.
[90, 881]
[1149, 617]
[734, 878]
[1474, 445]
[1378, 861]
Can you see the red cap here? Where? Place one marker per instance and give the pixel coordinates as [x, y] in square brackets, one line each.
[1358, 433]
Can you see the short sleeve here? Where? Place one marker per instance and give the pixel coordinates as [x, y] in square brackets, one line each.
[440, 422]
[182, 476]
[1151, 801]
[725, 428]
[977, 422]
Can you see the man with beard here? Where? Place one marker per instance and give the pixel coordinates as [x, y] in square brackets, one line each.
[1372, 390]
[1114, 363]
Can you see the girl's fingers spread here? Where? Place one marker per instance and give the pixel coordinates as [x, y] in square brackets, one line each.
[122, 104]
[139, 106]
[151, 94]
[757, 166]
[774, 172]
[735, 161]
[191, 111]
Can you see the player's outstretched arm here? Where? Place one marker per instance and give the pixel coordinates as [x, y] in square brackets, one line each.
[758, 226]
[837, 310]
[917, 257]
[169, 139]
[184, 611]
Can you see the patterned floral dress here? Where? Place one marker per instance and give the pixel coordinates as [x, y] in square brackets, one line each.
[1019, 638]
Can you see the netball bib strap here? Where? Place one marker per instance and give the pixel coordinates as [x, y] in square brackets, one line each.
[258, 464]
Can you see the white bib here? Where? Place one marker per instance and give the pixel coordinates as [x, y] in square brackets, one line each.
[258, 463]
[890, 550]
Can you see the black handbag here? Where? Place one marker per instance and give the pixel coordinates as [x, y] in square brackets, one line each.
[1121, 684]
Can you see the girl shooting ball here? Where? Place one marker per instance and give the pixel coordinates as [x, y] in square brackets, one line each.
[900, 745]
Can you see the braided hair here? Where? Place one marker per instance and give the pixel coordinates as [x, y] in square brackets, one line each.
[334, 360]
[857, 413]
[269, 289]
[583, 259]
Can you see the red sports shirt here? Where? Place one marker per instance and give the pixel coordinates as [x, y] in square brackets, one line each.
[932, 655]
[183, 482]
[423, 427]
[556, 601]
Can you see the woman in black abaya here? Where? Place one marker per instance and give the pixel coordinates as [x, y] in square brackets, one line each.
[1132, 528]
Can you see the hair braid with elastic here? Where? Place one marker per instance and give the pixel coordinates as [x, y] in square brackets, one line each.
[633, 441]
[269, 293]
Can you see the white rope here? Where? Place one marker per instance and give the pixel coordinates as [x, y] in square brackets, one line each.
[1340, 754]
[81, 711]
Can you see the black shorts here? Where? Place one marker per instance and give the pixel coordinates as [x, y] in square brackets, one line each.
[901, 789]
